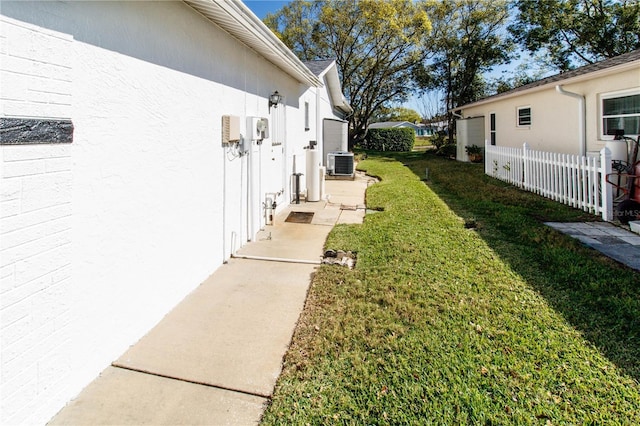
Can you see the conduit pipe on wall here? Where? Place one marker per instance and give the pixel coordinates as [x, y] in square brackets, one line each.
[319, 136]
[581, 117]
[276, 259]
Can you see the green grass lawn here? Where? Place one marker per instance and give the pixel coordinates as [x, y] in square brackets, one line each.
[463, 309]
[423, 141]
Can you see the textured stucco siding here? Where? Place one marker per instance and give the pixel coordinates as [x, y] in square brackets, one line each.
[102, 236]
[36, 190]
[555, 117]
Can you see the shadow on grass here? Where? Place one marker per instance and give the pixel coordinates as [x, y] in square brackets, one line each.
[595, 294]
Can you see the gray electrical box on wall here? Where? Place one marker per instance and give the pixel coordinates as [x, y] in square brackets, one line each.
[230, 129]
[257, 128]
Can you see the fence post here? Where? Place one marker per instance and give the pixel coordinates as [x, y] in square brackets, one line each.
[607, 193]
[526, 174]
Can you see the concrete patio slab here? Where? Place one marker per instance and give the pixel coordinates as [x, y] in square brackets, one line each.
[232, 331]
[153, 400]
[351, 216]
[297, 241]
[617, 243]
[633, 240]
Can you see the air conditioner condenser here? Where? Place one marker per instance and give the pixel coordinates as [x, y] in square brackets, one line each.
[340, 163]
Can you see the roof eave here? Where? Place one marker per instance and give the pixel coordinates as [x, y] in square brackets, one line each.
[235, 18]
[570, 80]
[335, 89]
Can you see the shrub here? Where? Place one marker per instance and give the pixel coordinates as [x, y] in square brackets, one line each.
[443, 147]
[449, 150]
[439, 140]
[397, 139]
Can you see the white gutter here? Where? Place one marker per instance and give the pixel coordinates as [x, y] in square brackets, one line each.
[335, 89]
[319, 123]
[240, 22]
[581, 117]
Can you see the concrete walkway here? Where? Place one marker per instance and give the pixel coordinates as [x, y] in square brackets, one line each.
[215, 358]
[617, 243]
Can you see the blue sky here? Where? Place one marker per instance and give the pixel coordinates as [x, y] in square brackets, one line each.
[262, 7]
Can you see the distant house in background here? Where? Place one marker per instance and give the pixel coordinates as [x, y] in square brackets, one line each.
[574, 112]
[420, 129]
[437, 126]
[139, 144]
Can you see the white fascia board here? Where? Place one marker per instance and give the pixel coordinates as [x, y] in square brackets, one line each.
[335, 88]
[552, 84]
[240, 22]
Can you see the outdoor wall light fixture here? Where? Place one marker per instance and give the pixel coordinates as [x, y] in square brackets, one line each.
[274, 99]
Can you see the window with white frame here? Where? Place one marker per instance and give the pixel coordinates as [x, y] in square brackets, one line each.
[492, 127]
[306, 116]
[524, 116]
[621, 111]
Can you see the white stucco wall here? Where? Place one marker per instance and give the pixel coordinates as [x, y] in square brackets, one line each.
[101, 237]
[555, 121]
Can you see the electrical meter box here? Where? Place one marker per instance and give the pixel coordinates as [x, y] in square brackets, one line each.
[257, 128]
[230, 129]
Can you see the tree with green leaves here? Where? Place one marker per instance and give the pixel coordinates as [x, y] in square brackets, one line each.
[467, 39]
[397, 114]
[376, 43]
[577, 32]
[296, 25]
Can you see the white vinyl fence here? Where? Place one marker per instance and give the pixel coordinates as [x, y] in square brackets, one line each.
[574, 180]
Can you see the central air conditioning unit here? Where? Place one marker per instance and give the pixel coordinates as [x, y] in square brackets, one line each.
[340, 163]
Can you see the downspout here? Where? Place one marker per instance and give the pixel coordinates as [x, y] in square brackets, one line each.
[224, 205]
[581, 117]
[318, 123]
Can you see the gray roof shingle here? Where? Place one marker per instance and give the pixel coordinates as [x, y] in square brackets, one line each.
[317, 67]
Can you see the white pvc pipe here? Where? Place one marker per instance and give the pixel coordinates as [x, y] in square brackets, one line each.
[581, 117]
[319, 130]
[276, 259]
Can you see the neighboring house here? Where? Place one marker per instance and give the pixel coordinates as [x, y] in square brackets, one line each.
[333, 109]
[122, 187]
[435, 127]
[574, 112]
[420, 129]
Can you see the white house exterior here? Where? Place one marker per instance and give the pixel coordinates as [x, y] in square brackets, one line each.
[117, 194]
[567, 113]
[333, 110]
